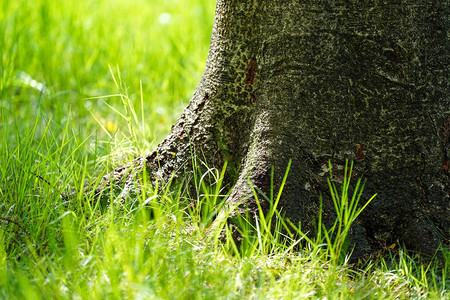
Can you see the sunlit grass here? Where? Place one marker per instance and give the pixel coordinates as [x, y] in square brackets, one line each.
[56, 56]
[86, 85]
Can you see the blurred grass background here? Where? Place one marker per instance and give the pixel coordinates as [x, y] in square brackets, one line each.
[56, 56]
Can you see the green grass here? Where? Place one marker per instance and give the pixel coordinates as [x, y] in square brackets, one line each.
[86, 85]
[57, 58]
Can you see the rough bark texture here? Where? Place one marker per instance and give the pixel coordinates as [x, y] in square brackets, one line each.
[337, 80]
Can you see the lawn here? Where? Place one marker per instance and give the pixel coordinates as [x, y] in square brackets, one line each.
[88, 85]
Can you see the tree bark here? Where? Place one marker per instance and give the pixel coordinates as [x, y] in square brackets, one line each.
[314, 81]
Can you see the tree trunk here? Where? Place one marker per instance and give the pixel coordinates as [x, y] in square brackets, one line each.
[314, 81]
